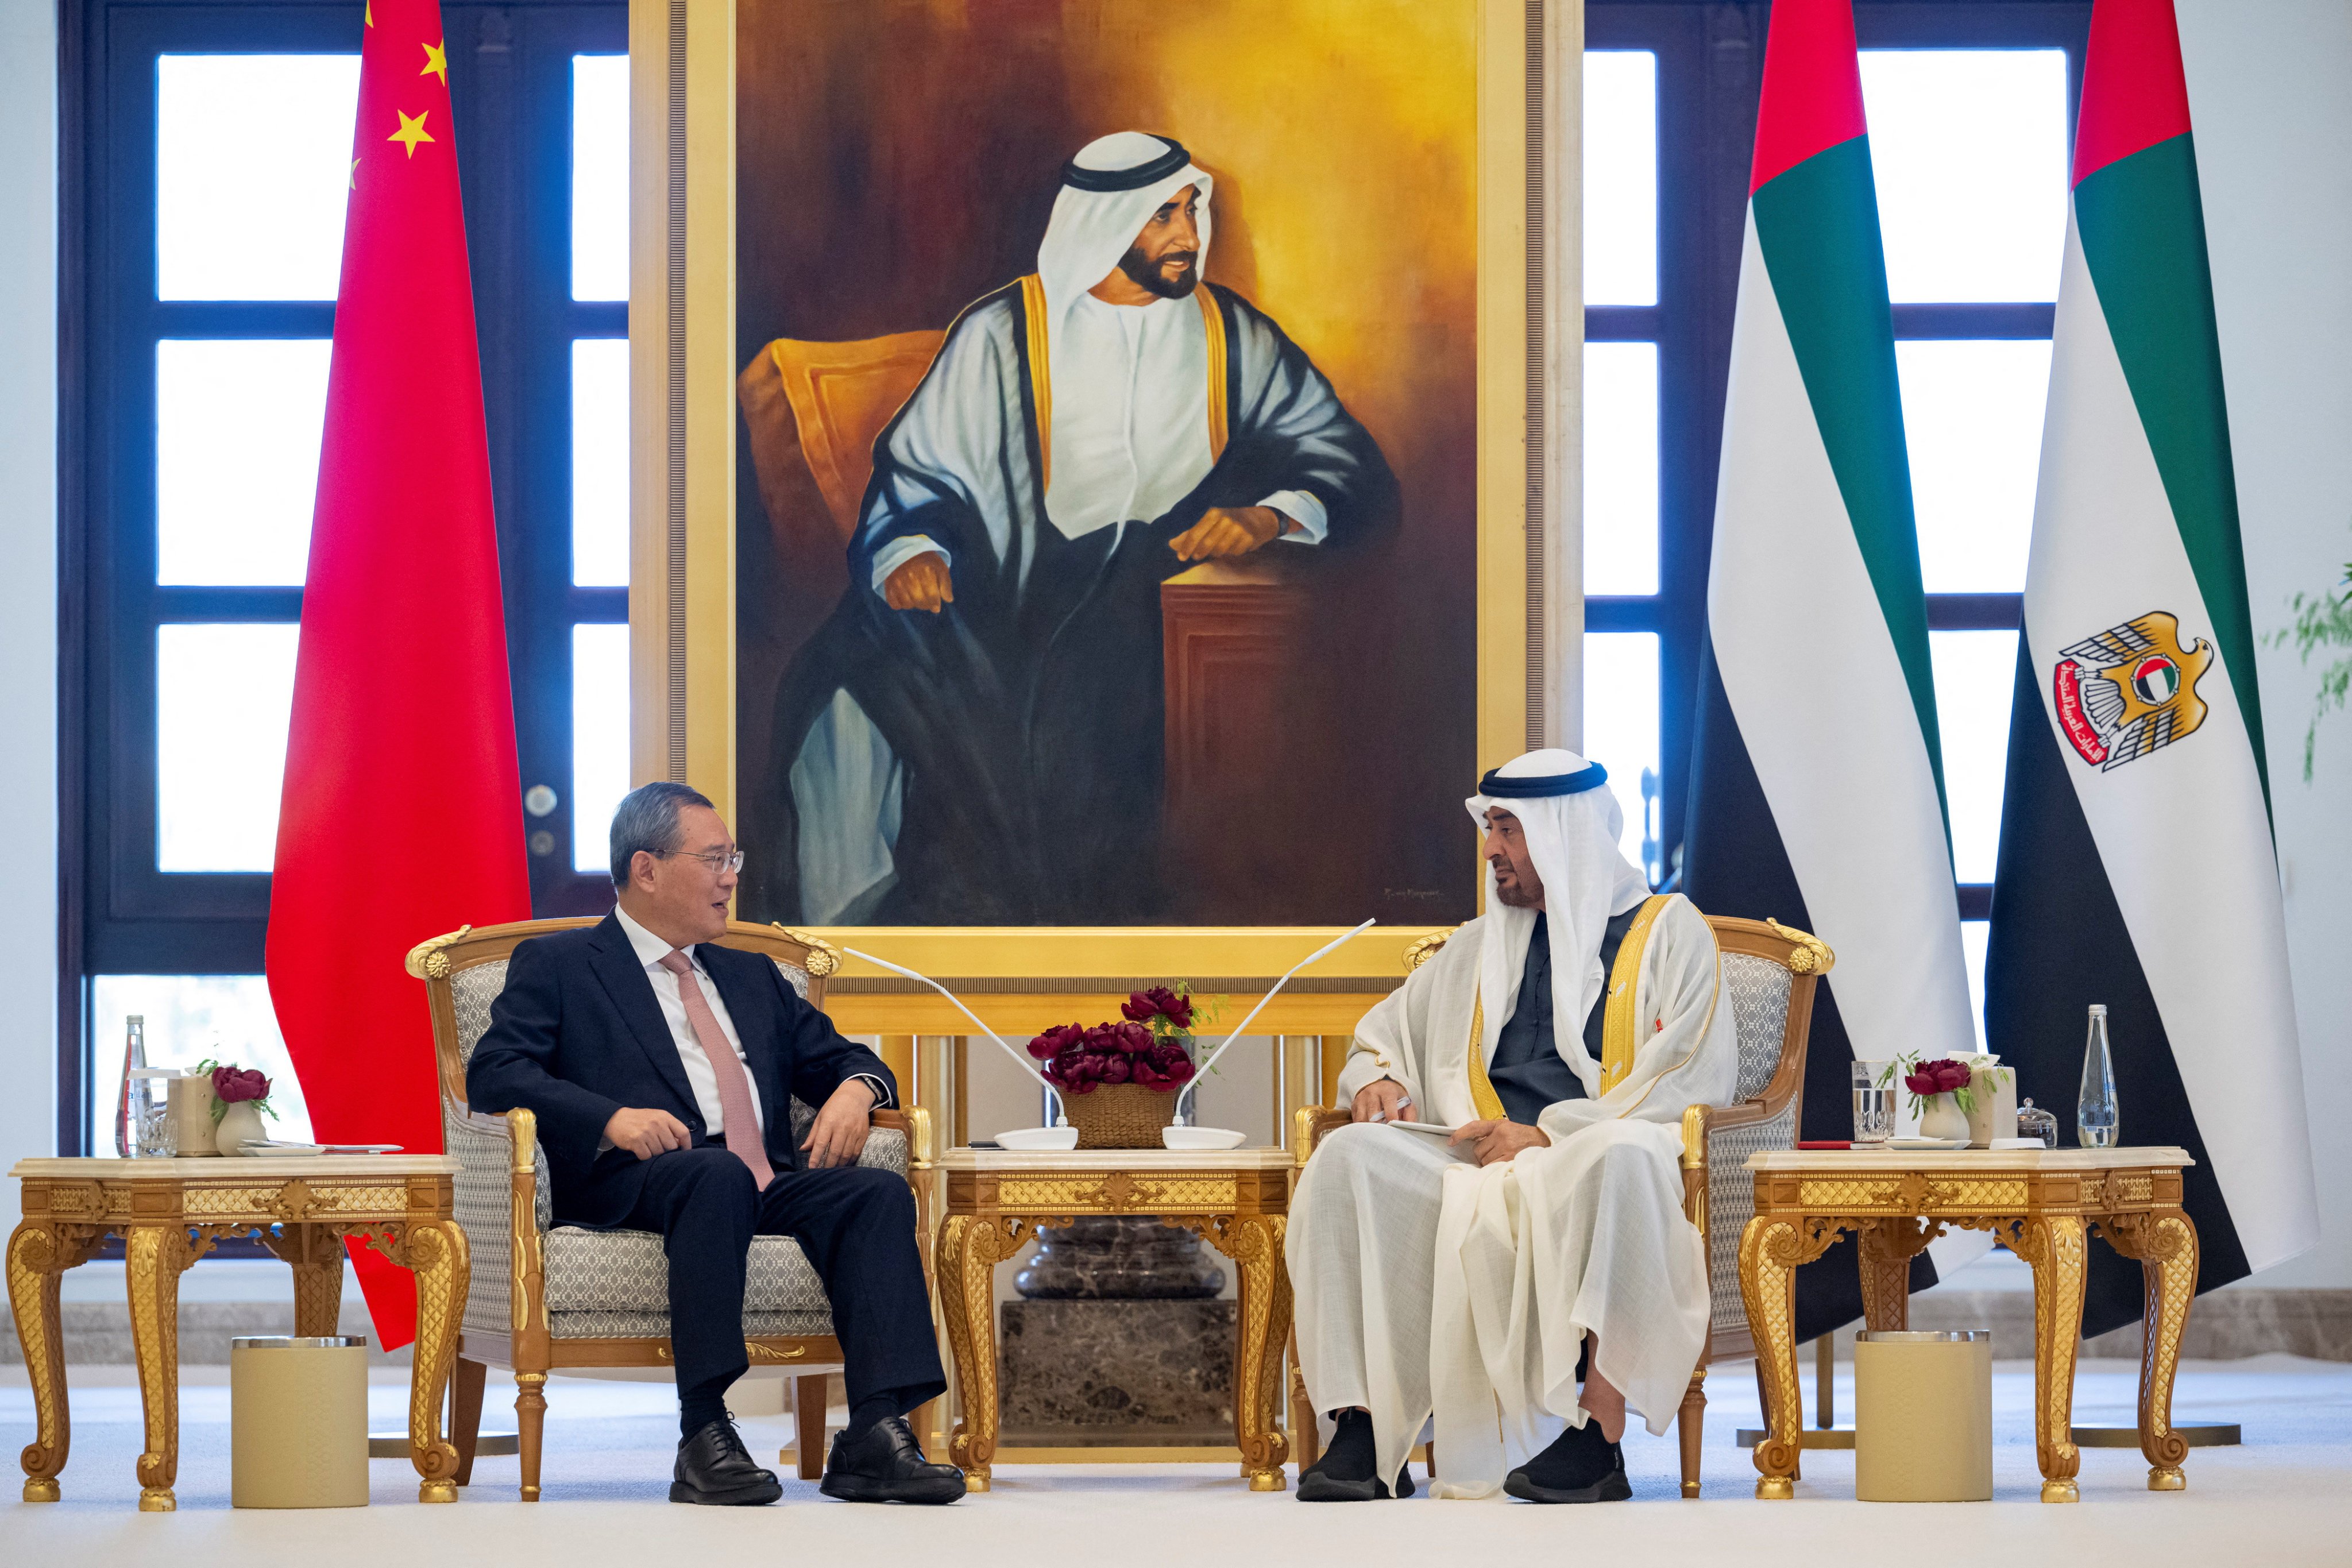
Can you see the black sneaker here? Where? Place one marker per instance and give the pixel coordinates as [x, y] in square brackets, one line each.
[888, 1466]
[1317, 1485]
[1581, 1466]
[713, 1467]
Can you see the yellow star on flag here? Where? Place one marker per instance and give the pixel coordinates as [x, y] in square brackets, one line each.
[355, 173]
[370, 13]
[437, 61]
[411, 132]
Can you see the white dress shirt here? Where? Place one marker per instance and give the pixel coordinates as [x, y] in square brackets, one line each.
[699, 1075]
[1130, 434]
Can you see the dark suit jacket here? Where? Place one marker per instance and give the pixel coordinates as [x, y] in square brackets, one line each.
[577, 1035]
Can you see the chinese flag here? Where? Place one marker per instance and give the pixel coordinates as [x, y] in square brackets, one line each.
[402, 817]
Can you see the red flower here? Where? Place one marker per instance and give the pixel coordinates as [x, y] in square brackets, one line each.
[1142, 1006]
[233, 1084]
[1055, 1040]
[1941, 1076]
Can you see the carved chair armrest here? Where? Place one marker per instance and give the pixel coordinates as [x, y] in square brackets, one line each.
[528, 1280]
[1309, 1123]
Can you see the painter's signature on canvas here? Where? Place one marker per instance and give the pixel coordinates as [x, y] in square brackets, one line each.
[1413, 892]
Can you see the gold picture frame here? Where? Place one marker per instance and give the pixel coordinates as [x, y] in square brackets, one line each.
[684, 477]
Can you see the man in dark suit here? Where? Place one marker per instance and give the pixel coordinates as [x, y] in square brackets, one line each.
[662, 1069]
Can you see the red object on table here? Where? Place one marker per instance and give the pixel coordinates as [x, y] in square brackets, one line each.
[402, 815]
[1825, 1143]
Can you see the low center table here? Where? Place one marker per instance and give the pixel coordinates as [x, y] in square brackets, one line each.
[170, 1213]
[1238, 1199]
[2042, 1203]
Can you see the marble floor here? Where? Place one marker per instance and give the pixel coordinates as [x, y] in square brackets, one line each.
[2284, 1498]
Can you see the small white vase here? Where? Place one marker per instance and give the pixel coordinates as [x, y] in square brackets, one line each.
[241, 1121]
[1942, 1117]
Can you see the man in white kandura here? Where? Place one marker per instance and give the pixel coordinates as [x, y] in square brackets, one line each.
[1560, 1035]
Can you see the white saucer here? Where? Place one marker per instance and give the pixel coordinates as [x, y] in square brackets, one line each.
[1927, 1144]
[1027, 1139]
[1201, 1138]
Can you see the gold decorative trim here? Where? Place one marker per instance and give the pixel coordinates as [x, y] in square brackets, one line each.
[1812, 956]
[1117, 1193]
[1618, 1024]
[427, 960]
[824, 958]
[1421, 950]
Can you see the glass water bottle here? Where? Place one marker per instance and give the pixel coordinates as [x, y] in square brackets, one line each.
[134, 1055]
[2094, 1109]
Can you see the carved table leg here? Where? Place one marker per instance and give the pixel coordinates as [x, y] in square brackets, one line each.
[1883, 1251]
[155, 1257]
[1255, 1241]
[970, 1248]
[2165, 1246]
[1770, 1250]
[37, 1256]
[435, 1251]
[2055, 1246]
[466, 1415]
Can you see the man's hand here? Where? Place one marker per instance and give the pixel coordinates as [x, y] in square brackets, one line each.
[1228, 531]
[646, 1134]
[919, 584]
[1383, 1099]
[1495, 1142]
[839, 1135]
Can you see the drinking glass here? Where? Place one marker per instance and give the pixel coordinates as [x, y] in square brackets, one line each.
[153, 1134]
[1874, 1102]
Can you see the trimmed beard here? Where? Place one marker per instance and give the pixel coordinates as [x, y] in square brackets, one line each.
[1145, 273]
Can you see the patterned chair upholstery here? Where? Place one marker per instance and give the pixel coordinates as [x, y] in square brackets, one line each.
[1769, 973]
[547, 1297]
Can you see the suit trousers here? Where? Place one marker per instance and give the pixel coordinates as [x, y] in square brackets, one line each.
[856, 1227]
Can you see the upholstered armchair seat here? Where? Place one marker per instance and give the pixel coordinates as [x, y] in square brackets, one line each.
[545, 1296]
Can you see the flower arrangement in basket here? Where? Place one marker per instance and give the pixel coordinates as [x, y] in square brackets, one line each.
[1118, 1081]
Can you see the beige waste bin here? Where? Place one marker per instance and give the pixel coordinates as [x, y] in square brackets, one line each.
[297, 1422]
[1923, 1416]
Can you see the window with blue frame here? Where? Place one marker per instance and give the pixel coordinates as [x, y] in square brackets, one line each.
[208, 162]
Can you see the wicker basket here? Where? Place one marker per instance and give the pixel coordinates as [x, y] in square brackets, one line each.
[1120, 1115]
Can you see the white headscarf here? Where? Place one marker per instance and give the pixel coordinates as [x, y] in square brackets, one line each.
[1573, 842]
[1091, 229]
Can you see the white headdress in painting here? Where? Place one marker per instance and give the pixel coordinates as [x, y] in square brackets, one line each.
[1114, 184]
[1571, 824]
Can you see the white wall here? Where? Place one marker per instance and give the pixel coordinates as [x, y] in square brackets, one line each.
[29, 576]
[2267, 93]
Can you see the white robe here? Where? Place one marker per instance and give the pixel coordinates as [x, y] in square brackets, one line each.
[1430, 1285]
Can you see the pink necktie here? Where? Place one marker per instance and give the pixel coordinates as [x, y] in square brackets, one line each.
[742, 1132]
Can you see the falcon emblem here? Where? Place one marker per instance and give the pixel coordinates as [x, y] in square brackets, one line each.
[2130, 689]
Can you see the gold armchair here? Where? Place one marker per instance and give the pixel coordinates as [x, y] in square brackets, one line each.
[547, 1297]
[1769, 973]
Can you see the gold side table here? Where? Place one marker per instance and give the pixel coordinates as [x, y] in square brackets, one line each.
[170, 1213]
[2042, 1203]
[1239, 1200]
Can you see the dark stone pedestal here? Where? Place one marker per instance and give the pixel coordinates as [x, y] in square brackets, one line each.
[1117, 1374]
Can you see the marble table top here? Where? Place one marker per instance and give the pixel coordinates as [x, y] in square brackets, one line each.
[1819, 1161]
[239, 1167]
[1085, 1160]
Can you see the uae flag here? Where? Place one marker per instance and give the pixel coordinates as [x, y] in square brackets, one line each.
[1816, 790]
[402, 815]
[2137, 865]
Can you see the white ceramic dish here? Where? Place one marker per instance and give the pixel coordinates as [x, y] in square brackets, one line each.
[282, 1151]
[1200, 1137]
[1927, 1143]
[1025, 1140]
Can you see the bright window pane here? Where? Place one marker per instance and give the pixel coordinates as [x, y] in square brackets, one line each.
[1973, 937]
[600, 739]
[600, 462]
[223, 694]
[236, 457]
[1972, 418]
[190, 1018]
[1975, 676]
[253, 167]
[600, 176]
[1970, 150]
[1620, 468]
[1621, 731]
[1621, 177]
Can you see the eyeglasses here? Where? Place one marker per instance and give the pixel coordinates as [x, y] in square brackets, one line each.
[730, 861]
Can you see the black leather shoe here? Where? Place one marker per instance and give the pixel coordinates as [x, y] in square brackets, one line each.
[886, 1466]
[713, 1467]
[1581, 1466]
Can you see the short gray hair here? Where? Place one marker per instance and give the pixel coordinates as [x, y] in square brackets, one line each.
[648, 820]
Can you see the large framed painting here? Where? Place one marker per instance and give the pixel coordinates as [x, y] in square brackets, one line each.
[1089, 459]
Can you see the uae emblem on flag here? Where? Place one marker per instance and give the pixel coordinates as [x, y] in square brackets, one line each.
[2137, 864]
